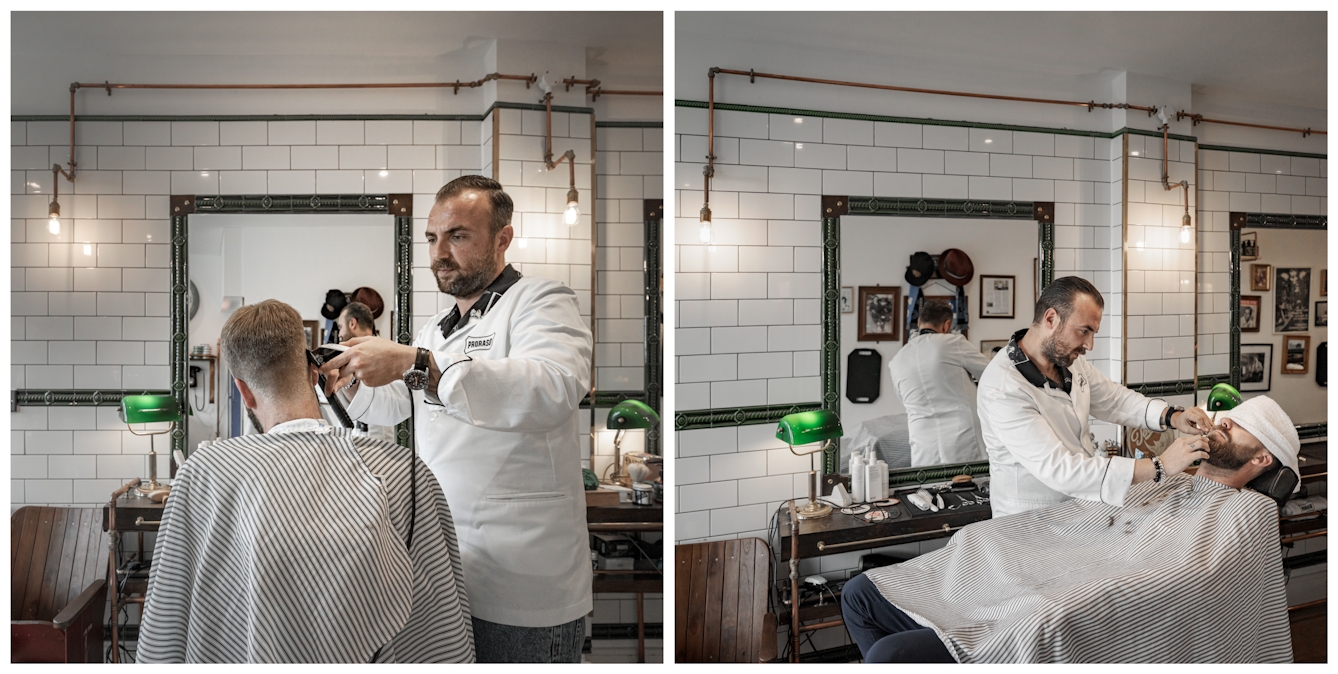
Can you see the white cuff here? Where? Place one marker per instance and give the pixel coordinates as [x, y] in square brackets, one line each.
[453, 366]
[1119, 477]
[1156, 409]
[361, 402]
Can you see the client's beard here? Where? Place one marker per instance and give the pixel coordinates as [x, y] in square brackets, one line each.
[1225, 454]
[250, 414]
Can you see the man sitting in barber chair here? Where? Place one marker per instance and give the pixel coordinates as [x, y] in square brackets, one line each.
[1188, 570]
[307, 543]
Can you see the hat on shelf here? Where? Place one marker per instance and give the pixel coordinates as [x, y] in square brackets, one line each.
[955, 267]
[335, 301]
[371, 298]
[920, 269]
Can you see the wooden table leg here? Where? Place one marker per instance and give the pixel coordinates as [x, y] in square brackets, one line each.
[640, 627]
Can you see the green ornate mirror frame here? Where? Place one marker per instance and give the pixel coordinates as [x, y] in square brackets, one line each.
[833, 207]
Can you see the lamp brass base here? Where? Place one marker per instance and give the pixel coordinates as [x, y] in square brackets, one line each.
[150, 486]
[814, 510]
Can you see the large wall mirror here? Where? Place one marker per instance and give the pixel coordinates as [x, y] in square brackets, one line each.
[1279, 313]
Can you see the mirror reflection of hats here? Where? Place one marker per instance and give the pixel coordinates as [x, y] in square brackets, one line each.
[335, 301]
[372, 299]
[955, 267]
[920, 269]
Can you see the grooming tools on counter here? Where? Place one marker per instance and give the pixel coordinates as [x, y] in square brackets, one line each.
[840, 496]
[643, 494]
[857, 510]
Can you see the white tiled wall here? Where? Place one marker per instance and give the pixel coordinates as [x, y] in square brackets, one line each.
[1250, 183]
[1161, 268]
[748, 305]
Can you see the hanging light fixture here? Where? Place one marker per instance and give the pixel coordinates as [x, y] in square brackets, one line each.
[53, 225]
[1186, 227]
[704, 234]
[573, 213]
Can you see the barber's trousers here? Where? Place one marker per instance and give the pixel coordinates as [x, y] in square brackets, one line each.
[495, 642]
[882, 631]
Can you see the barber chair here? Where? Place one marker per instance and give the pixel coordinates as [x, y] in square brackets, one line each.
[58, 591]
[720, 601]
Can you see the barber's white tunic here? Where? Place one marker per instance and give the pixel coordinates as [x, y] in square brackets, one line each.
[932, 374]
[1037, 436]
[504, 445]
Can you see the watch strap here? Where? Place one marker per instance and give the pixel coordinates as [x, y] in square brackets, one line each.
[420, 361]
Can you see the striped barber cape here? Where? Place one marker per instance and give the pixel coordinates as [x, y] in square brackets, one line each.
[1188, 571]
[290, 547]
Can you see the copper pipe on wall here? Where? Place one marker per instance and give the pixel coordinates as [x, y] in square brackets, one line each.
[708, 171]
[1090, 105]
[1166, 183]
[1200, 119]
[456, 85]
[593, 89]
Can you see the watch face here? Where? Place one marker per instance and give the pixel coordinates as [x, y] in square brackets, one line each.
[416, 380]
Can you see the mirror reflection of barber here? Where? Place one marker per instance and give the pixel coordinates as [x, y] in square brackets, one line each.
[933, 375]
[357, 320]
[1035, 400]
[495, 383]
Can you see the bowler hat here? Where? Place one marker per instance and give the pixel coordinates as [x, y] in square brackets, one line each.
[920, 269]
[955, 267]
[371, 298]
[335, 301]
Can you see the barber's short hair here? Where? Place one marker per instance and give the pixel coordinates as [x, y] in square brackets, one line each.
[935, 312]
[501, 203]
[266, 348]
[1061, 294]
[361, 313]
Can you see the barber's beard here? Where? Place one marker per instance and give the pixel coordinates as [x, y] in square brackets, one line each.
[250, 414]
[1225, 453]
[472, 277]
[1059, 354]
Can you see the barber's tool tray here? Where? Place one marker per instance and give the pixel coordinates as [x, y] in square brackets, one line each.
[943, 501]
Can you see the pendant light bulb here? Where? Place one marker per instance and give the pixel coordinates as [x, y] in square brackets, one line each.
[573, 213]
[53, 225]
[1186, 229]
[704, 234]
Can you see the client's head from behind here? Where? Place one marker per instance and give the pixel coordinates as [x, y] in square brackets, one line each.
[266, 351]
[936, 315]
[1248, 440]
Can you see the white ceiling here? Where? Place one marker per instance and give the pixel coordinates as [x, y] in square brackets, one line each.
[1279, 57]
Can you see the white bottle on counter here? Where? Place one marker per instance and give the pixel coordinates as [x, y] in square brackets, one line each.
[882, 479]
[871, 482]
[857, 477]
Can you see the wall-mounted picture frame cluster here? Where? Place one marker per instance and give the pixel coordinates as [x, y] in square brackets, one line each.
[1256, 367]
[1322, 314]
[1295, 354]
[847, 300]
[1250, 307]
[998, 295]
[1291, 299]
[1260, 275]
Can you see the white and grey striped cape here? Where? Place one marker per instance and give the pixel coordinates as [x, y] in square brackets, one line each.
[1188, 571]
[291, 548]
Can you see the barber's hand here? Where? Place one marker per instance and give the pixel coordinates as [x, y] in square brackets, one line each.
[1192, 421]
[1184, 452]
[375, 361]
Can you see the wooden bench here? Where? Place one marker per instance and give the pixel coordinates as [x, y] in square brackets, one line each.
[58, 587]
[721, 602]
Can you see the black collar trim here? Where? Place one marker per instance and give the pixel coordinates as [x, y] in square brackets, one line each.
[1028, 369]
[485, 302]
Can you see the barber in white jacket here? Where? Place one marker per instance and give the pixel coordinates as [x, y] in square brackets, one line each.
[1034, 401]
[496, 383]
[933, 375]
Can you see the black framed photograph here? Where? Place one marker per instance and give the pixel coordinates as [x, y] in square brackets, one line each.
[1249, 246]
[998, 294]
[1256, 367]
[1296, 354]
[878, 318]
[1249, 313]
[312, 331]
[847, 300]
[1322, 314]
[1291, 299]
[1260, 275]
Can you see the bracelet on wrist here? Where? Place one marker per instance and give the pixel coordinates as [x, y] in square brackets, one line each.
[1156, 463]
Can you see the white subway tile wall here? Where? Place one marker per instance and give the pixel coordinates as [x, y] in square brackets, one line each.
[748, 304]
[1250, 182]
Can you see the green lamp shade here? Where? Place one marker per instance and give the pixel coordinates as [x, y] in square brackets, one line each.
[632, 414]
[802, 428]
[149, 409]
[1223, 397]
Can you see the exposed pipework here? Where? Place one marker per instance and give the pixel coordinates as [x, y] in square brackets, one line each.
[594, 90]
[1186, 224]
[1200, 119]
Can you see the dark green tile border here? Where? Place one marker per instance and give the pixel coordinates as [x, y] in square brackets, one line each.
[1252, 150]
[1163, 388]
[689, 420]
[628, 125]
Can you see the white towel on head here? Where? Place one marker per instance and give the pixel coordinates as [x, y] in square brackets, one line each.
[1264, 418]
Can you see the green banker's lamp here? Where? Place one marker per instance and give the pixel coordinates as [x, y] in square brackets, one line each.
[1223, 397]
[149, 409]
[628, 414]
[818, 430]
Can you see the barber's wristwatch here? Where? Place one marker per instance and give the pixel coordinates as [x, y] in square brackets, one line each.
[1170, 411]
[416, 377]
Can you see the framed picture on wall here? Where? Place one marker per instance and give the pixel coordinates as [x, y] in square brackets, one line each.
[998, 294]
[989, 347]
[1295, 354]
[1260, 275]
[1291, 299]
[878, 319]
[1249, 246]
[847, 300]
[1249, 313]
[312, 331]
[1256, 367]
[1322, 314]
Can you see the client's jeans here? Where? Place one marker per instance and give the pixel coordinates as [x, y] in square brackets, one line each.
[882, 631]
[495, 642]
